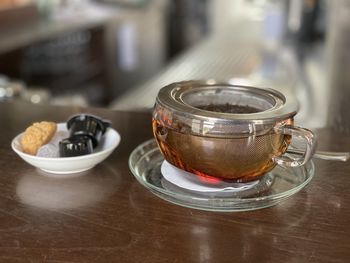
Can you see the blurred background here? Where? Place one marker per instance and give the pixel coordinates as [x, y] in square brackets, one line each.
[119, 53]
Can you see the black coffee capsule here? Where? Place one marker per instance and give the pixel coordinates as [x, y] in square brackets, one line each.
[75, 146]
[88, 125]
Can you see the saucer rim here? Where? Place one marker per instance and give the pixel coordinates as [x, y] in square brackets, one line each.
[176, 198]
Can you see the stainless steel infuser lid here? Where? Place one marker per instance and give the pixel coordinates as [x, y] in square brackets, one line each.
[186, 99]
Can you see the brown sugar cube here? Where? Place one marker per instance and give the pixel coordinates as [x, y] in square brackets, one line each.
[37, 135]
[48, 130]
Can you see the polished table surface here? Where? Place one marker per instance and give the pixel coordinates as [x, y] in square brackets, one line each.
[107, 216]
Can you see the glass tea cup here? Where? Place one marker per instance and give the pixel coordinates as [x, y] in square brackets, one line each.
[225, 131]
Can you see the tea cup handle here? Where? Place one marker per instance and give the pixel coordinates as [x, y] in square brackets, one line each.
[310, 140]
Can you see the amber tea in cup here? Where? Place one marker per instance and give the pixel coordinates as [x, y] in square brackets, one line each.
[224, 131]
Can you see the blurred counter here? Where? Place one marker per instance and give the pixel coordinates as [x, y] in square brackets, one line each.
[221, 57]
[94, 51]
[238, 55]
[253, 52]
[88, 17]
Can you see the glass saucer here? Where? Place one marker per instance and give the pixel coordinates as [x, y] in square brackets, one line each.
[145, 163]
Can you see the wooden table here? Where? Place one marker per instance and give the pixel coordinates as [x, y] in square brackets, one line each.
[107, 216]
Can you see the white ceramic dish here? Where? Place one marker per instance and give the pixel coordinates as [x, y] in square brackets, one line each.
[70, 165]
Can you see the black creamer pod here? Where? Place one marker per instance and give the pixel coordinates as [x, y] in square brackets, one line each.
[75, 146]
[88, 125]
